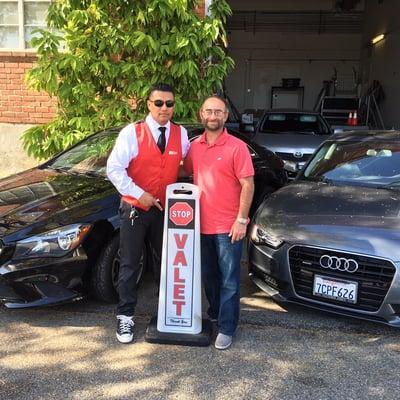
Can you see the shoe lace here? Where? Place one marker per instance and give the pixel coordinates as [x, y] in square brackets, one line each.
[125, 324]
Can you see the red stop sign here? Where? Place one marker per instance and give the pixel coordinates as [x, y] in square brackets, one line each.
[181, 213]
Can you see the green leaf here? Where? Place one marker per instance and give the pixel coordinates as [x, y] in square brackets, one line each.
[182, 42]
[112, 52]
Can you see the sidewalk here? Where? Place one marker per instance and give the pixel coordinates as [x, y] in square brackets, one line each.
[12, 156]
[70, 352]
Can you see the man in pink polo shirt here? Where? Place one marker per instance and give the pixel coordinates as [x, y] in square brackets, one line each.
[223, 170]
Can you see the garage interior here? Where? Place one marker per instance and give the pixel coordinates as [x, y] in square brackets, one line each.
[298, 54]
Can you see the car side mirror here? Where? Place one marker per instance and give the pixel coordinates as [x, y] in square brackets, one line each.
[247, 119]
[248, 128]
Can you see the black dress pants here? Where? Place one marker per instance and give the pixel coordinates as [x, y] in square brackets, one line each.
[137, 228]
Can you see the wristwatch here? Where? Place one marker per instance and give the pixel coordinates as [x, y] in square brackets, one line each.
[242, 221]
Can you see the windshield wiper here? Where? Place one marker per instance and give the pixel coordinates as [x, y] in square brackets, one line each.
[66, 170]
[306, 132]
[91, 174]
[294, 132]
[394, 184]
[58, 169]
[322, 179]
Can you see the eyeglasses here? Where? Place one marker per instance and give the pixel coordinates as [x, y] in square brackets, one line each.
[160, 103]
[218, 113]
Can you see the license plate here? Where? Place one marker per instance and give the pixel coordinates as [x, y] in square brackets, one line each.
[330, 288]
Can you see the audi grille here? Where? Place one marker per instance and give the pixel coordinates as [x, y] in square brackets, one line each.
[373, 275]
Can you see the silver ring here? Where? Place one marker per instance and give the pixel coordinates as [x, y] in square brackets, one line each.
[338, 263]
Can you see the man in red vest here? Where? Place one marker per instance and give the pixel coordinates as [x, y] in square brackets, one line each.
[144, 160]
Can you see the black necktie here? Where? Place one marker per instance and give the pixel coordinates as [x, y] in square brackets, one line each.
[161, 139]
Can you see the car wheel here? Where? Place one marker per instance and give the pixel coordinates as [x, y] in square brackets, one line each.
[105, 272]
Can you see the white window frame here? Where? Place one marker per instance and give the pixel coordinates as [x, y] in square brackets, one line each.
[21, 24]
[207, 4]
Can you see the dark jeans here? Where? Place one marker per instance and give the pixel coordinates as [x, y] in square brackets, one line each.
[220, 270]
[134, 233]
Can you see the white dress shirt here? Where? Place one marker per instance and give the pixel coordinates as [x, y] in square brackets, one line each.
[126, 149]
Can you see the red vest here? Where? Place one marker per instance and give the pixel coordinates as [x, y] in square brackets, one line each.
[151, 170]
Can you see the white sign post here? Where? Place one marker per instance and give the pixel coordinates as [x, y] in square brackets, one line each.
[179, 319]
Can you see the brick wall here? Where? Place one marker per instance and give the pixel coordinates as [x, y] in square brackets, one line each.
[17, 103]
[200, 9]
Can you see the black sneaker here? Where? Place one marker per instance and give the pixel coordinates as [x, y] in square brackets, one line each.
[213, 319]
[125, 328]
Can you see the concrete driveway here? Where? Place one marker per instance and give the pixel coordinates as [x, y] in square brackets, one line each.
[70, 352]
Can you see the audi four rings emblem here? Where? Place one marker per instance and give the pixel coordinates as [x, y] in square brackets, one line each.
[339, 263]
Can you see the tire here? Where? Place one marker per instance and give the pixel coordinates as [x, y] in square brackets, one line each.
[104, 276]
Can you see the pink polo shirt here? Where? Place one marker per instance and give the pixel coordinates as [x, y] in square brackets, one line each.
[216, 170]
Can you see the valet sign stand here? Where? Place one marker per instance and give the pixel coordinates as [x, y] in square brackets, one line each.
[179, 320]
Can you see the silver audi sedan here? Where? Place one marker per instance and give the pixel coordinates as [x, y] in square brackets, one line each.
[331, 239]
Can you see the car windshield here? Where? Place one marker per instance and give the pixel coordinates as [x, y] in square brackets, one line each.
[370, 163]
[194, 134]
[293, 122]
[87, 157]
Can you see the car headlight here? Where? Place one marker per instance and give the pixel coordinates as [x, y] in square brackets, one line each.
[261, 236]
[55, 243]
[290, 166]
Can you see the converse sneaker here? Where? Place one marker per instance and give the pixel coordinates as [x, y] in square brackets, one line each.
[223, 341]
[125, 328]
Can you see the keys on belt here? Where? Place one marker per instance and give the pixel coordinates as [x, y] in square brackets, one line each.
[134, 214]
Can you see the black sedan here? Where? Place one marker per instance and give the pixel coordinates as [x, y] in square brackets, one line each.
[59, 224]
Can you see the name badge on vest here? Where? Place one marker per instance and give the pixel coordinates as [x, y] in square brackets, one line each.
[172, 153]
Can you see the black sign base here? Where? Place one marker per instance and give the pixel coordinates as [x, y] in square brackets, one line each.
[202, 339]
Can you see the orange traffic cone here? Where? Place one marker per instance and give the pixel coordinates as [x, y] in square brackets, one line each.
[350, 119]
[355, 119]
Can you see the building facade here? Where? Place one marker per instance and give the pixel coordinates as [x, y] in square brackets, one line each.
[18, 104]
[268, 41]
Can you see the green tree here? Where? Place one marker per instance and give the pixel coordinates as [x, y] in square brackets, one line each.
[100, 57]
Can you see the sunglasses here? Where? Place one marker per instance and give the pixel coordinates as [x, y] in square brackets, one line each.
[160, 103]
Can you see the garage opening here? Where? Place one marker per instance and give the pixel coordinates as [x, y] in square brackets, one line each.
[316, 55]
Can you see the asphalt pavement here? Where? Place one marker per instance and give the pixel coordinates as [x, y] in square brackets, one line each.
[70, 352]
